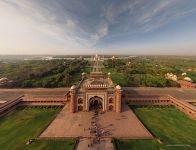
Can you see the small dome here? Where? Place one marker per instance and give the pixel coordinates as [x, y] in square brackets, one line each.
[109, 73]
[73, 87]
[83, 73]
[3, 79]
[118, 87]
[188, 79]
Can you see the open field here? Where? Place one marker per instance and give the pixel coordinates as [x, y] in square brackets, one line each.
[27, 123]
[174, 129]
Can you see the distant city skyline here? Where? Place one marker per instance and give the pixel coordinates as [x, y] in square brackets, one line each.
[68, 27]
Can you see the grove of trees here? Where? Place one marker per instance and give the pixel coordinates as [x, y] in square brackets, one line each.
[136, 71]
[42, 73]
[150, 70]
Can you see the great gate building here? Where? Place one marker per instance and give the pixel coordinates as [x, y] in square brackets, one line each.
[95, 91]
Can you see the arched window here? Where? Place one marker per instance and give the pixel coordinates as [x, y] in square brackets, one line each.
[111, 108]
[111, 100]
[80, 108]
[80, 101]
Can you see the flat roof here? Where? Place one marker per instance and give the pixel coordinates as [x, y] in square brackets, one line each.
[10, 94]
[179, 93]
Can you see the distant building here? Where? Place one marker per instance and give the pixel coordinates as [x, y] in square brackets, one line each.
[113, 57]
[129, 63]
[5, 82]
[97, 91]
[80, 58]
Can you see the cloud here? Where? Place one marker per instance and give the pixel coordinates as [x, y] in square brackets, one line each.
[84, 24]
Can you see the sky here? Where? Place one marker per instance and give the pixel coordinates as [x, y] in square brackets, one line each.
[134, 27]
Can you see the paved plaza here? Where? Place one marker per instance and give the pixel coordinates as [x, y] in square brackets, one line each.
[111, 124]
[86, 144]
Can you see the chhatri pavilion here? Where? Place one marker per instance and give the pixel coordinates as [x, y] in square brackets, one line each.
[95, 91]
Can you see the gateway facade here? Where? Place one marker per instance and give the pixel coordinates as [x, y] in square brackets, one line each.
[95, 91]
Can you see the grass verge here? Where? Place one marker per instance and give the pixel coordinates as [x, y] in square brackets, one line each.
[174, 129]
[27, 123]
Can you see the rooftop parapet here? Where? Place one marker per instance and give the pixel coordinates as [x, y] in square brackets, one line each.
[91, 86]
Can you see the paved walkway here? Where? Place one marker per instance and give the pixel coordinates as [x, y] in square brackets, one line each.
[68, 124]
[123, 125]
[105, 144]
[112, 124]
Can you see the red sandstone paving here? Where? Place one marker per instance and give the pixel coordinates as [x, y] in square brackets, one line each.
[124, 124]
[105, 144]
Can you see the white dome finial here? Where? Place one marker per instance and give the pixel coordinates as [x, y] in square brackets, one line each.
[73, 87]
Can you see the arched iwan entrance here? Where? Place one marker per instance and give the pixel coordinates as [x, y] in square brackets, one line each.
[95, 103]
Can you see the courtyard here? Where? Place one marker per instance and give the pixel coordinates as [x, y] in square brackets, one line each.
[142, 127]
[110, 124]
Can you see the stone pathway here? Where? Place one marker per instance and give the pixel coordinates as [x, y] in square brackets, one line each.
[105, 144]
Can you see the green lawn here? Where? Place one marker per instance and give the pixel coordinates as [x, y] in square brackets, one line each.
[52, 145]
[27, 123]
[171, 126]
[117, 77]
[138, 145]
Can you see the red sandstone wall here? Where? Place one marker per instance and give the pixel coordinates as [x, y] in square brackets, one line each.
[161, 100]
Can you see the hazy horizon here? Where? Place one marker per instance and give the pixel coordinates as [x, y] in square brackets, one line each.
[108, 27]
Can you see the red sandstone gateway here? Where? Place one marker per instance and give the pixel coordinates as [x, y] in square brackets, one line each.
[95, 92]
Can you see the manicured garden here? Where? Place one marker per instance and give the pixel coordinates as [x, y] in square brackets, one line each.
[173, 129]
[27, 123]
